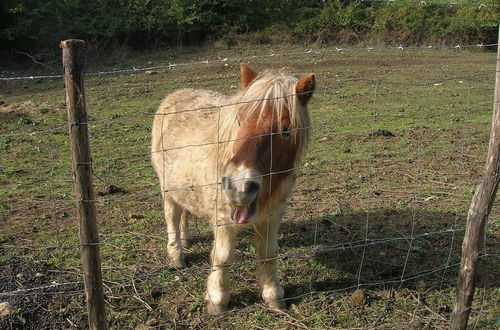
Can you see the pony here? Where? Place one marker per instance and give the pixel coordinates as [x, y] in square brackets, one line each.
[232, 160]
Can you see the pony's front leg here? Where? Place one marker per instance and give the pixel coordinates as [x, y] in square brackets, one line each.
[185, 229]
[217, 296]
[267, 270]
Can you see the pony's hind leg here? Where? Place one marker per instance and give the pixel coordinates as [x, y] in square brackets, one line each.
[185, 229]
[173, 216]
[267, 271]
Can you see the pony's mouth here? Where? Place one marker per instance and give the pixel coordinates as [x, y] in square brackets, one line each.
[242, 214]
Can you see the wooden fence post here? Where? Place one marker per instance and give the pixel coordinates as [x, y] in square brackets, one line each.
[73, 65]
[478, 215]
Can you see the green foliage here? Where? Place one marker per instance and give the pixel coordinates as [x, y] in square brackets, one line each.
[25, 120]
[35, 25]
[434, 23]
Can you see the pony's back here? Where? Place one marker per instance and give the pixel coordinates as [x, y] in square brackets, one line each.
[184, 148]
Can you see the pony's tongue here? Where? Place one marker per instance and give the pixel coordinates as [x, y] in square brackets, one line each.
[241, 216]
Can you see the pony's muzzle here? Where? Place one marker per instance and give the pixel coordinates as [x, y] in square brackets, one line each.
[241, 194]
[241, 186]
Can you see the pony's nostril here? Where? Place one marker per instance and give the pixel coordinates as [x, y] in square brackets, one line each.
[251, 187]
[226, 183]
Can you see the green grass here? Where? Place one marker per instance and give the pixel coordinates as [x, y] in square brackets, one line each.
[352, 186]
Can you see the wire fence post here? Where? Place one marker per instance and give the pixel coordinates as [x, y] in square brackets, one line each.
[73, 67]
[477, 217]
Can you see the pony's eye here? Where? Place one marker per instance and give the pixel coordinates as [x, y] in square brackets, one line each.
[286, 133]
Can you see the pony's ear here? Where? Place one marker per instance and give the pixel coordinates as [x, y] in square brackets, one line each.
[247, 75]
[305, 87]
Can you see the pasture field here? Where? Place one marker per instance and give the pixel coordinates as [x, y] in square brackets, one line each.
[398, 146]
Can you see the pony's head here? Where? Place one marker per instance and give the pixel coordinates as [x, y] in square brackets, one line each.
[270, 131]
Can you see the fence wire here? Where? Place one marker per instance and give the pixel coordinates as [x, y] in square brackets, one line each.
[362, 242]
[325, 90]
[476, 4]
[335, 49]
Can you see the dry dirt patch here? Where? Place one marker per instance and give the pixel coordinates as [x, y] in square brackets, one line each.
[27, 109]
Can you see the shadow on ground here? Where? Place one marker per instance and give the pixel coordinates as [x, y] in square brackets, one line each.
[386, 249]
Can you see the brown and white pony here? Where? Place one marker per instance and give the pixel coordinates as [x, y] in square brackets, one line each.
[234, 162]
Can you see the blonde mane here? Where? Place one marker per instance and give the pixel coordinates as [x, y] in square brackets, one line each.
[270, 89]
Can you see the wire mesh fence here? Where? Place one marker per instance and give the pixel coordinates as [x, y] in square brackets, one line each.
[380, 201]
[225, 60]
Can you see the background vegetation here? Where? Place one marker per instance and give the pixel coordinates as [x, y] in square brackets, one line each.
[37, 26]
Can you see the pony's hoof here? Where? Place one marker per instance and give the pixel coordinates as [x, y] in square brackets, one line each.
[216, 309]
[178, 263]
[279, 304]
